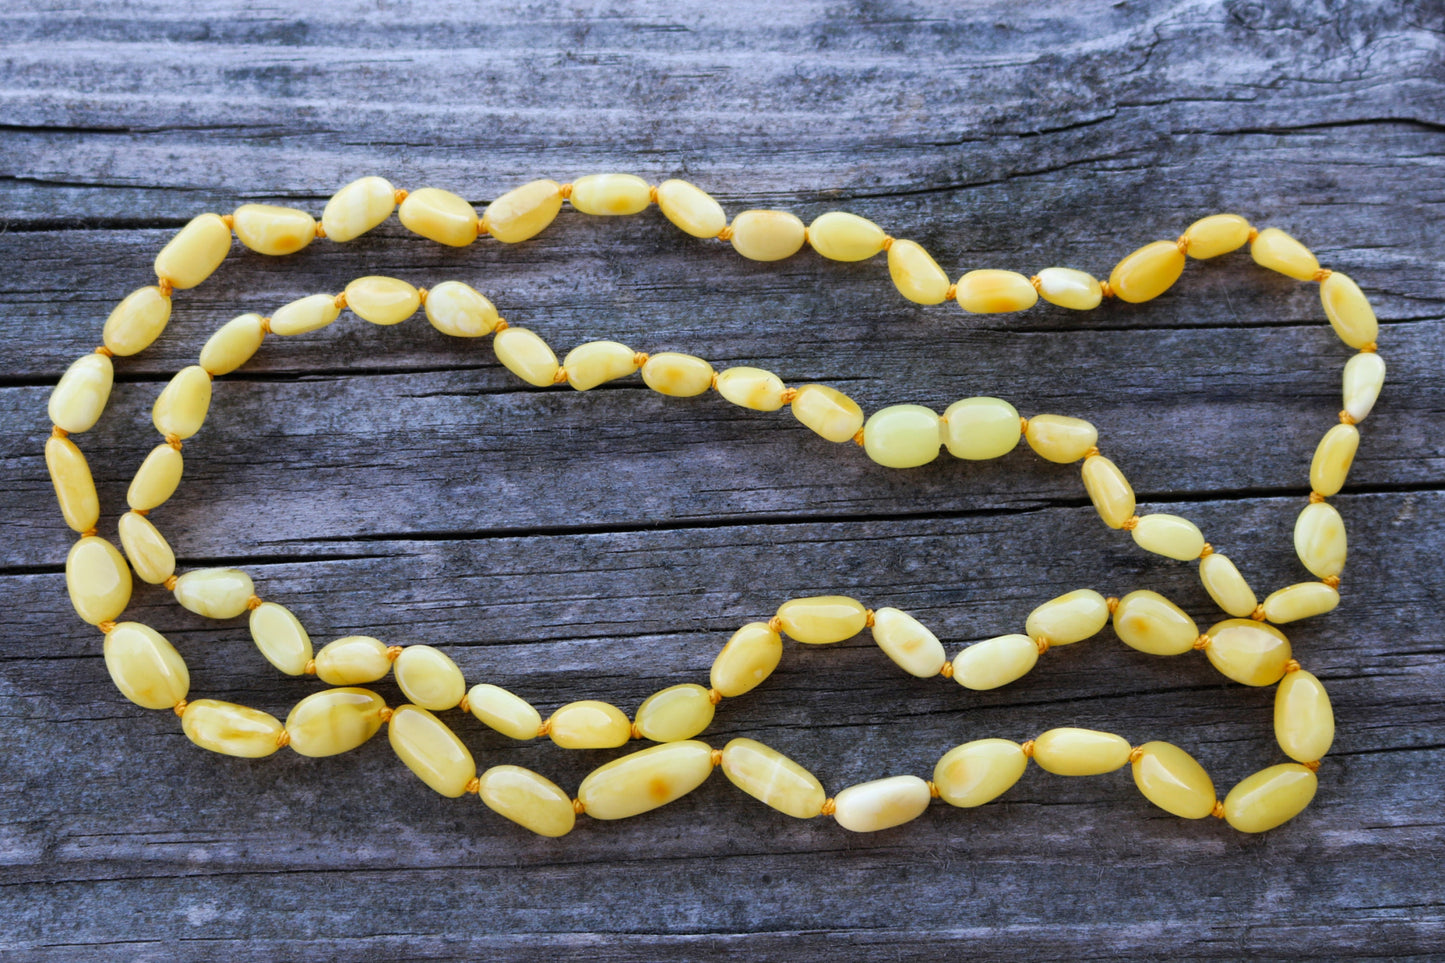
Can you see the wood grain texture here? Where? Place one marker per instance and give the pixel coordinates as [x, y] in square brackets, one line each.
[604, 544]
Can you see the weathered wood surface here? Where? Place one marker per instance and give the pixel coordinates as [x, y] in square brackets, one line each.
[568, 545]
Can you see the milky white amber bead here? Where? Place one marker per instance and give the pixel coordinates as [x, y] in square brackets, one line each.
[156, 480]
[230, 729]
[1333, 457]
[749, 657]
[181, 407]
[1226, 586]
[589, 365]
[527, 356]
[1249, 652]
[233, 344]
[1071, 617]
[523, 212]
[145, 667]
[1270, 797]
[589, 725]
[1319, 539]
[908, 643]
[916, 274]
[1061, 439]
[751, 388]
[1173, 780]
[840, 236]
[1068, 288]
[269, 229]
[1364, 377]
[509, 714]
[827, 411]
[216, 593]
[979, 428]
[677, 375]
[610, 194]
[334, 721]
[1304, 722]
[677, 712]
[690, 208]
[98, 579]
[357, 208]
[431, 750]
[1080, 752]
[1109, 490]
[1148, 272]
[195, 252]
[429, 678]
[1170, 536]
[903, 436]
[772, 778]
[149, 552]
[528, 799]
[822, 619]
[995, 662]
[881, 804]
[1300, 601]
[310, 313]
[1217, 234]
[439, 216]
[137, 321]
[1276, 250]
[382, 300]
[74, 486]
[645, 780]
[995, 292]
[1149, 622]
[978, 772]
[352, 660]
[78, 399]
[460, 310]
[280, 637]
[767, 235]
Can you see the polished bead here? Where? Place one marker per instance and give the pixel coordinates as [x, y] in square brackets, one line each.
[1319, 539]
[1300, 601]
[1080, 752]
[440, 216]
[98, 579]
[334, 721]
[137, 321]
[881, 804]
[528, 799]
[1270, 797]
[233, 344]
[1071, 617]
[431, 750]
[78, 399]
[840, 236]
[903, 436]
[149, 552]
[589, 725]
[1173, 780]
[677, 375]
[1226, 586]
[310, 313]
[357, 208]
[1333, 457]
[610, 194]
[156, 480]
[751, 388]
[978, 772]
[908, 643]
[1148, 272]
[280, 637]
[994, 292]
[216, 593]
[979, 428]
[642, 781]
[749, 657]
[828, 412]
[352, 660]
[1170, 536]
[1216, 234]
[230, 729]
[1149, 622]
[527, 356]
[677, 712]
[429, 678]
[1249, 652]
[1061, 439]
[460, 310]
[1109, 490]
[382, 300]
[822, 619]
[1349, 310]
[1276, 250]
[74, 487]
[181, 408]
[145, 667]
[195, 252]
[767, 235]
[524, 211]
[1068, 288]
[509, 714]
[1364, 377]
[268, 229]
[995, 662]
[690, 208]
[591, 364]
[772, 778]
[916, 274]
[1304, 723]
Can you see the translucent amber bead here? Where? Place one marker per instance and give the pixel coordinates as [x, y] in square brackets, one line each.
[978, 772]
[1071, 617]
[645, 780]
[527, 356]
[149, 552]
[675, 713]
[524, 211]
[1080, 752]
[840, 236]
[995, 662]
[382, 300]
[281, 638]
[233, 344]
[828, 411]
[440, 216]
[903, 436]
[1109, 490]
[98, 579]
[181, 408]
[1226, 586]
[1270, 797]
[1173, 780]
[767, 235]
[1148, 272]
[357, 208]
[589, 365]
[822, 619]
[429, 678]
[195, 252]
[1061, 439]
[1300, 601]
[773, 779]
[1170, 536]
[1149, 622]
[78, 399]
[610, 194]
[268, 229]
[1319, 539]
[352, 660]
[1276, 250]
[916, 274]
[1304, 722]
[677, 375]
[881, 804]
[1217, 234]
[908, 643]
[74, 486]
[156, 480]
[459, 310]
[590, 725]
[690, 208]
[230, 729]
[1249, 652]
[980, 428]
[995, 292]
[137, 321]
[145, 667]
[527, 799]
[310, 313]
[431, 750]
[216, 593]
[751, 388]
[749, 657]
[1075, 290]
[509, 714]
[1333, 457]
[1364, 377]
[335, 721]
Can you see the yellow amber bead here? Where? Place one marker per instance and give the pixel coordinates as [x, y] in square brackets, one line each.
[690, 208]
[1319, 539]
[98, 579]
[610, 194]
[1217, 234]
[1148, 272]
[509, 714]
[916, 274]
[1061, 439]
[524, 211]
[1333, 457]
[1226, 586]
[828, 412]
[767, 235]
[881, 804]
[677, 375]
[1364, 377]
[78, 399]
[1080, 752]
[1270, 797]
[429, 678]
[1071, 617]
[1170, 536]
[216, 593]
[908, 643]
[675, 713]
[642, 781]
[749, 657]
[978, 772]
[145, 667]
[431, 750]
[1068, 288]
[382, 300]
[156, 480]
[230, 729]
[233, 344]
[1149, 622]
[772, 778]
[589, 365]
[903, 436]
[74, 486]
[751, 388]
[822, 619]
[149, 552]
[527, 356]
[1276, 250]
[352, 660]
[1304, 722]
[439, 216]
[1173, 780]
[1300, 601]
[268, 229]
[195, 252]
[590, 725]
[979, 428]
[840, 236]
[527, 799]
[1249, 652]
[305, 314]
[181, 408]
[460, 310]
[335, 721]
[995, 292]
[357, 208]
[281, 637]
[1109, 490]
[1349, 310]
[137, 321]
[995, 662]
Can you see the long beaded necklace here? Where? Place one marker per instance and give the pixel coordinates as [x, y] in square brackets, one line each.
[1246, 647]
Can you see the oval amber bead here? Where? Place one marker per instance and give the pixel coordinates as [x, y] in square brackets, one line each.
[181, 408]
[460, 310]
[523, 212]
[822, 619]
[1170, 536]
[1226, 586]
[1333, 457]
[98, 579]
[357, 208]
[1061, 439]
[429, 678]
[978, 772]
[1071, 617]
[827, 411]
[690, 208]
[1109, 490]
[908, 643]
[1068, 288]
[767, 235]
[976, 429]
[156, 480]
[527, 356]
[881, 804]
[431, 750]
[916, 274]
[528, 799]
[509, 714]
[772, 778]
[269, 229]
[1149, 622]
[145, 667]
[995, 292]
[749, 657]
[610, 194]
[230, 729]
[1270, 797]
[675, 713]
[77, 400]
[677, 375]
[751, 388]
[903, 436]
[1215, 235]
[311, 313]
[382, 300]
[840, 236]
[1304, 722]
[233, 344]
[1173, 780]
[591, 364]
[216, 593]
[335, 721]
[995, 662]
[352, 660]
[1364, 377]
[1249, 652]
[1148, 272]
[1300, 601]
[1080, 752]
[589, 725]
[439, 216]
[281, 638]
[137, 321]
[1319, 539]
[1276, 250]
[195, 252]
[645, 780]
[74, 486]
[149, 552]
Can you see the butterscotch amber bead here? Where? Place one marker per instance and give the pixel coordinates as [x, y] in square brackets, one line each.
[269, 229]
[1075, 290]
[747, 659]
[675, 713]
[230, 729]
[195, 252]
[1148, 272]
[77, 400]
[908, 643]
[280, 637]
[145, 667]
[1110, 491]
[610, 194]
[311, 313]
[881, 804]
[751, 388]
[823, 619]
[1304, 722]
[1080, 752]
[74, 486]
[233, 344]
[431, 750]
[827, 411]
[216, 593]
[181, 408]
[995, 662]
[1216, 234]
[1149, 622]
[980, 428]
[459, 310]
[382, 300]
[903, 436]
[596, 362]
[1226, 586]
[642, 781]
[1061, 439]
[1276, 250]
[429, 678]
[1270, 797]
[335, 721]
[527, 356]
[1071, 617]
[840, 236]
[772, 778]
[439, 216]
[590, 725]
[98, 579]
[150, 554]
[1349, 310]
[1302, 600]
[677, 375]
[1319, 539]
[156, 480]
[1169, 535]
[527, 799]
[357, 208]
[690, 208]
[916, 274]
[767, 235]
[509, 714]
[1364, 377]
[524, 211]
[1173, 780]
[351, 660]
[978, 772]
[1249, 652]
[1333, 457]
[995, 292]
[137, 321]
